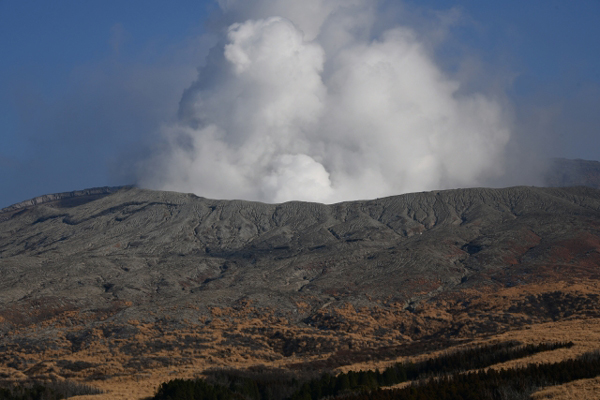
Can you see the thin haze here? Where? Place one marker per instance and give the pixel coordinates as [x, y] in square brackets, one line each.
[304, 101]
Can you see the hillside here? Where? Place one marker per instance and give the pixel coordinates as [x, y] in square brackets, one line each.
[120, 284]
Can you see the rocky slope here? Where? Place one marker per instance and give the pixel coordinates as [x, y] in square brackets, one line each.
[150, 247]
[108, 284]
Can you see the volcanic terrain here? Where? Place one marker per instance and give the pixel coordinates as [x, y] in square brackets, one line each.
[123, 288]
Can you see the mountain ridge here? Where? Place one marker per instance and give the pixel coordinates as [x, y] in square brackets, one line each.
[136, 283]
[85, 194]
[165, 224]
[561, 172]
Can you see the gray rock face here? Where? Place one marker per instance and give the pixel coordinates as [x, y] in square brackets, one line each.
[162, 249]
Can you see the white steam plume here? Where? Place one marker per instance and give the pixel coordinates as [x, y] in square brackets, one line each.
[298, 102]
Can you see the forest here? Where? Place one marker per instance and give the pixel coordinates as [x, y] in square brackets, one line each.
[452, 375]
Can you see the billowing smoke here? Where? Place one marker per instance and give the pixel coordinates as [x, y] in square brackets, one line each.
[300, 102]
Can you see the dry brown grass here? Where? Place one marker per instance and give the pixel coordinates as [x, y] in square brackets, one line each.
[584, 389]
[245, 337]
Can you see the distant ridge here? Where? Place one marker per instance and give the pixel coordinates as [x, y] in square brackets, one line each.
[564, 172]
[561, 172]
[67, 199]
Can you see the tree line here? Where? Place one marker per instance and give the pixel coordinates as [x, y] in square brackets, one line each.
[277, 385]
[504, 384]
[46, 391]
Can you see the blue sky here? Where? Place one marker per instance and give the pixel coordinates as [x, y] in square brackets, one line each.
[86, 85]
